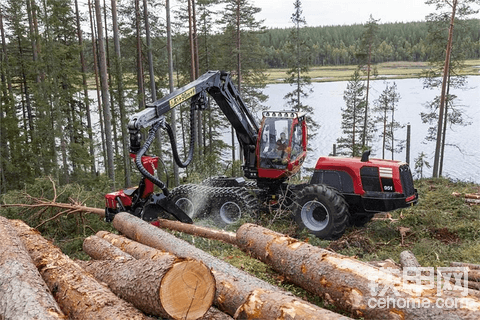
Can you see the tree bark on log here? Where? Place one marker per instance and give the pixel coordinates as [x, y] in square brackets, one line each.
[23, 293]
[99, 249]
[348, 283]
[77, 293]
[199, 231]
[133, 248]
[169, 287]
[464, 264]
[233, 285]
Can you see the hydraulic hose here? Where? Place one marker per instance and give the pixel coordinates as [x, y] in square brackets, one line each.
[192, 141]
[141, 152]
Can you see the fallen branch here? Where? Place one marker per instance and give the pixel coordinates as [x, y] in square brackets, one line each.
[69, 207]
[23, 292]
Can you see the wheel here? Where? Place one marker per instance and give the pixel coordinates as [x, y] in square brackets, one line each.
[230, 212]
[231, 204]
[186, 205]
[191, 199]
[322, 211]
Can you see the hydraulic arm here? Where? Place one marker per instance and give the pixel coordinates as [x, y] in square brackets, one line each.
[220, 87]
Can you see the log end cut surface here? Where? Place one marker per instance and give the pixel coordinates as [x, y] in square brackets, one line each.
[187, 290]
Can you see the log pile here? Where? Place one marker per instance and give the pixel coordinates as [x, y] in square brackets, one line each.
[347, 283]
[147, 271]
[470, 198]
[238, 293]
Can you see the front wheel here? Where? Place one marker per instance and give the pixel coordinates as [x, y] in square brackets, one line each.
[322, 211]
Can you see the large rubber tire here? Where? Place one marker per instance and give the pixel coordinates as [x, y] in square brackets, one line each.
[231, 204]
[322, 211]
[192, 199]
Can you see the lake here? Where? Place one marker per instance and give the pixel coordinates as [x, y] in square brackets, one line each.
[461, 161]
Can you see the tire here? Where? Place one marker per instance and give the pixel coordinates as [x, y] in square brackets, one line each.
[322, 211]
[191, 199]
[231, 204]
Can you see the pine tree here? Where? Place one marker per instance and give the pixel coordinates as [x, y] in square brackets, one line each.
[385, 106]
[366, 56]
[243, 56]
[350, 143]
[299, 65]
[446, 59]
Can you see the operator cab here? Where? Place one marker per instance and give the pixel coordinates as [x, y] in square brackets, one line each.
[282, 144]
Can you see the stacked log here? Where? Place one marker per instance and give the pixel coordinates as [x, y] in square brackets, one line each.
[236, 290]
[76, 291]
[166, 286]
[346, 282]
[23, 293]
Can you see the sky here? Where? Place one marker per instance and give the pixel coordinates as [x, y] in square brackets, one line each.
[277, 13]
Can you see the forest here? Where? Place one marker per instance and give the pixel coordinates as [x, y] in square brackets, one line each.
[73, 71]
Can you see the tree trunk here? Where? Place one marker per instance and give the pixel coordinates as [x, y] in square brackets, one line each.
[97, 83]
[140, 80]
[346, 282]
[233, 285]
[107, 116]
[23, 293]
[86, 100]
[199, 231]
[79, 295]
[436, 159]
[121, 101]
[167, 287]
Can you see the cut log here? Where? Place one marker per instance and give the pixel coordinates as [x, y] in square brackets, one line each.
[133, 248]
[77, 293]
[408, 260]
[233, 285]
[199, 231]
[139, 251]
[472, 196]
[23, 293]
[168, 287]
[100, 249]
[464, 264]
[271, 305]
[349, 284]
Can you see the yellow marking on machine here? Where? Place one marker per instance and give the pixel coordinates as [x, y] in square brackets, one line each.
[182, 97]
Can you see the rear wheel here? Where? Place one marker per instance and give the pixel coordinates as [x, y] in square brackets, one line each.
[322, 211]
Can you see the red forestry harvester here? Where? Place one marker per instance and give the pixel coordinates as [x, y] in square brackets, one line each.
[341, 190]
